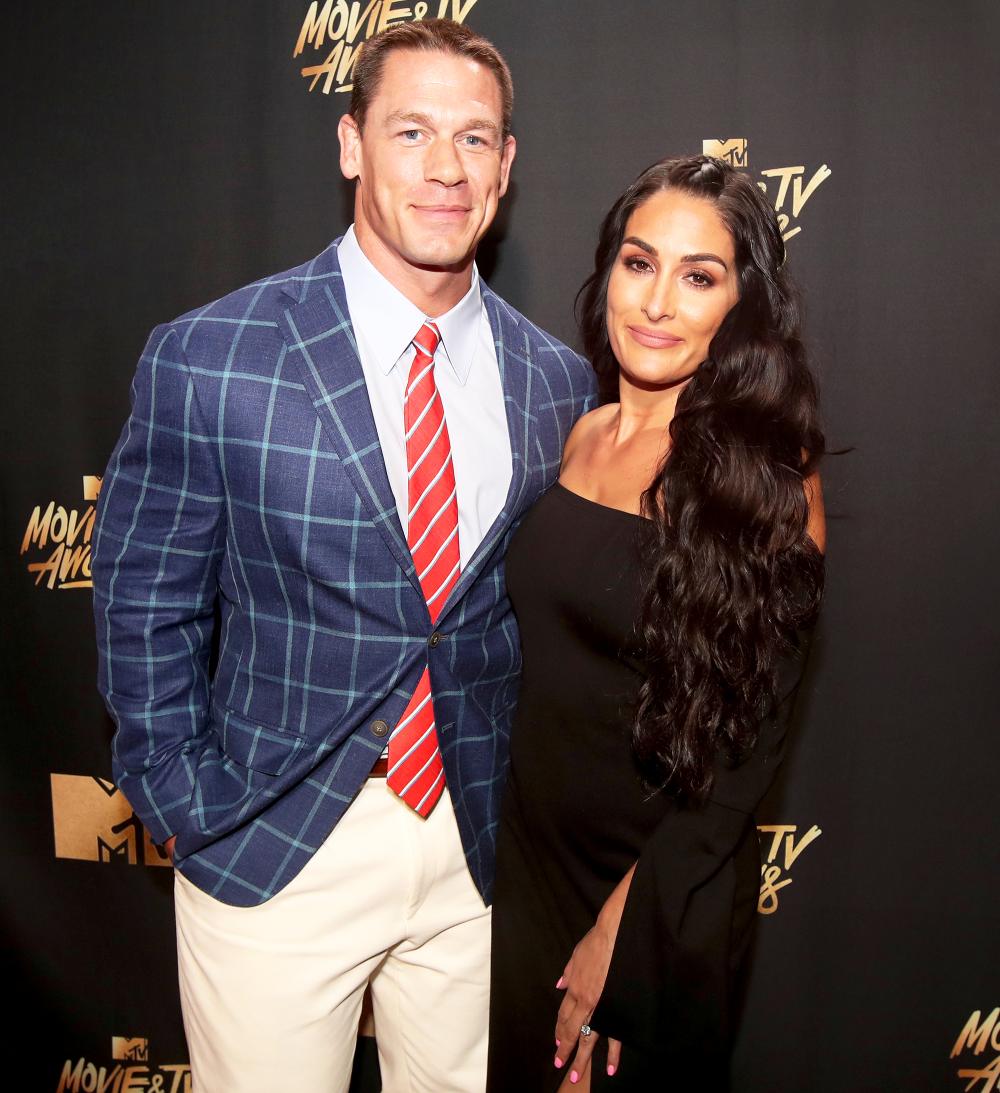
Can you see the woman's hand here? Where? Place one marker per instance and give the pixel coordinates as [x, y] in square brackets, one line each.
[583, 979]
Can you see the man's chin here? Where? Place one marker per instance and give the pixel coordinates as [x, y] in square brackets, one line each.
[442, 258]
[441, 246]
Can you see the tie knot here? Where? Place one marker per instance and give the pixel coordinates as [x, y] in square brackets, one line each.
[427, 339]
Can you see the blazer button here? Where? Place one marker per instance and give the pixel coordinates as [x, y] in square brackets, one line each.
[434, 640]
[380, 727]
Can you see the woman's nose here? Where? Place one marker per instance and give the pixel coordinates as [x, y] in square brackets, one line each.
[660, 300]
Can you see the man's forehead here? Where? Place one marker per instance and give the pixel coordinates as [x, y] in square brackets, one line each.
[426, 81]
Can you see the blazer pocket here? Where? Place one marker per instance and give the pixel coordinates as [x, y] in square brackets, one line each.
[256, 746]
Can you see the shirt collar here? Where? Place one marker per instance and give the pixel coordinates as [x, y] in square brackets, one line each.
[388, 321]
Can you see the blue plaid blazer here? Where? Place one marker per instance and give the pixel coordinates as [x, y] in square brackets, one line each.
[246, 504]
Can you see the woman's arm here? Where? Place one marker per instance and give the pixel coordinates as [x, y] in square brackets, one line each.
[583, 978]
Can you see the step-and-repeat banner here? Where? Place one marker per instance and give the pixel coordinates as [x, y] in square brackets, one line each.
[158, 155]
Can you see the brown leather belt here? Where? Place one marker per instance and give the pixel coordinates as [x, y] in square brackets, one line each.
[381, 768]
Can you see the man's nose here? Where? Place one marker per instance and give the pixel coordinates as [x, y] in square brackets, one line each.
[444, 164]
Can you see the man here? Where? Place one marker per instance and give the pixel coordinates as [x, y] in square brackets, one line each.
[322, 473]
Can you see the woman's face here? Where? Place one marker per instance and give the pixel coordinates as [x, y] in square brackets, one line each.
[672, 284]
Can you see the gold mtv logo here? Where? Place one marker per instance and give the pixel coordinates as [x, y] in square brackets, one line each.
[981, 1033]
[779, 857]
[68, 531]
[346, 26]
[790, 181]
[93, 822]
[734, 150]
[133, 1049]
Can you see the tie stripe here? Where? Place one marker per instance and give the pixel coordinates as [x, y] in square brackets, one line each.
[424, 496]
[443, 547]
[416, 773]
[427, 451]
[416, 424]
[426, 532]
[402, 759]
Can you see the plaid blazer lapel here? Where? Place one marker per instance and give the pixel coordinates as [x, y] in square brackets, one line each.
[517, 373]
[321, 344]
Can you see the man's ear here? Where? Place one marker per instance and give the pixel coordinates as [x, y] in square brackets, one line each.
[349, 135]
[506, 159]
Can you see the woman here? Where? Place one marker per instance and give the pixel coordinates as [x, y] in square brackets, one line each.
[662, 589]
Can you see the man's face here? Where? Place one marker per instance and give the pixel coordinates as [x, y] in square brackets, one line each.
[431, 162]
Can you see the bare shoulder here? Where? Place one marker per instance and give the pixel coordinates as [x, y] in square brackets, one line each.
[585, 428]
[816, 525]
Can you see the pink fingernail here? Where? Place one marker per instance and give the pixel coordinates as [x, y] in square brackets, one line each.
[558, 1062]
[558, 1042]
[574, 1077]
[611, 1070]
[561, 983]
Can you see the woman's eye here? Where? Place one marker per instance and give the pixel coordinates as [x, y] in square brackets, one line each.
[699, 279]
[637, 264]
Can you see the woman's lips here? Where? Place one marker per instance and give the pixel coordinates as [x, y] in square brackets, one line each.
[653, 339]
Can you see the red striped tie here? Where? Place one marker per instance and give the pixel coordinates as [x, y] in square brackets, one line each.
[415, 771]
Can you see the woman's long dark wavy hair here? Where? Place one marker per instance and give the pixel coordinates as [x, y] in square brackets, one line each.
[733, 574]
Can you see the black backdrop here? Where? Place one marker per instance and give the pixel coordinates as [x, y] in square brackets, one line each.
[160, 154]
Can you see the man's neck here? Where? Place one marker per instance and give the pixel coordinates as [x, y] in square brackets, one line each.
[434, 291]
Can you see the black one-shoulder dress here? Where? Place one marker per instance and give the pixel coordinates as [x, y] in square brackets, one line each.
[576, 816]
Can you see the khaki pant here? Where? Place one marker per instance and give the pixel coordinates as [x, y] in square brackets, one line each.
[272, 994]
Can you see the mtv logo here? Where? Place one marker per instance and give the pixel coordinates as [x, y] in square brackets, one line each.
[734, 150]
[133, 1049]
[91, 486]
[93, 821]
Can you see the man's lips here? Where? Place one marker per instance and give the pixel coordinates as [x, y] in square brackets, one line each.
[442, 210]
[653, 339]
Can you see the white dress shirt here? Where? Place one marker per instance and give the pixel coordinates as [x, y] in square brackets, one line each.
[467, 377]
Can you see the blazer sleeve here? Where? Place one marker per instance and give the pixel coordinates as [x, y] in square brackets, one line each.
[669, 984]
[159, 537]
